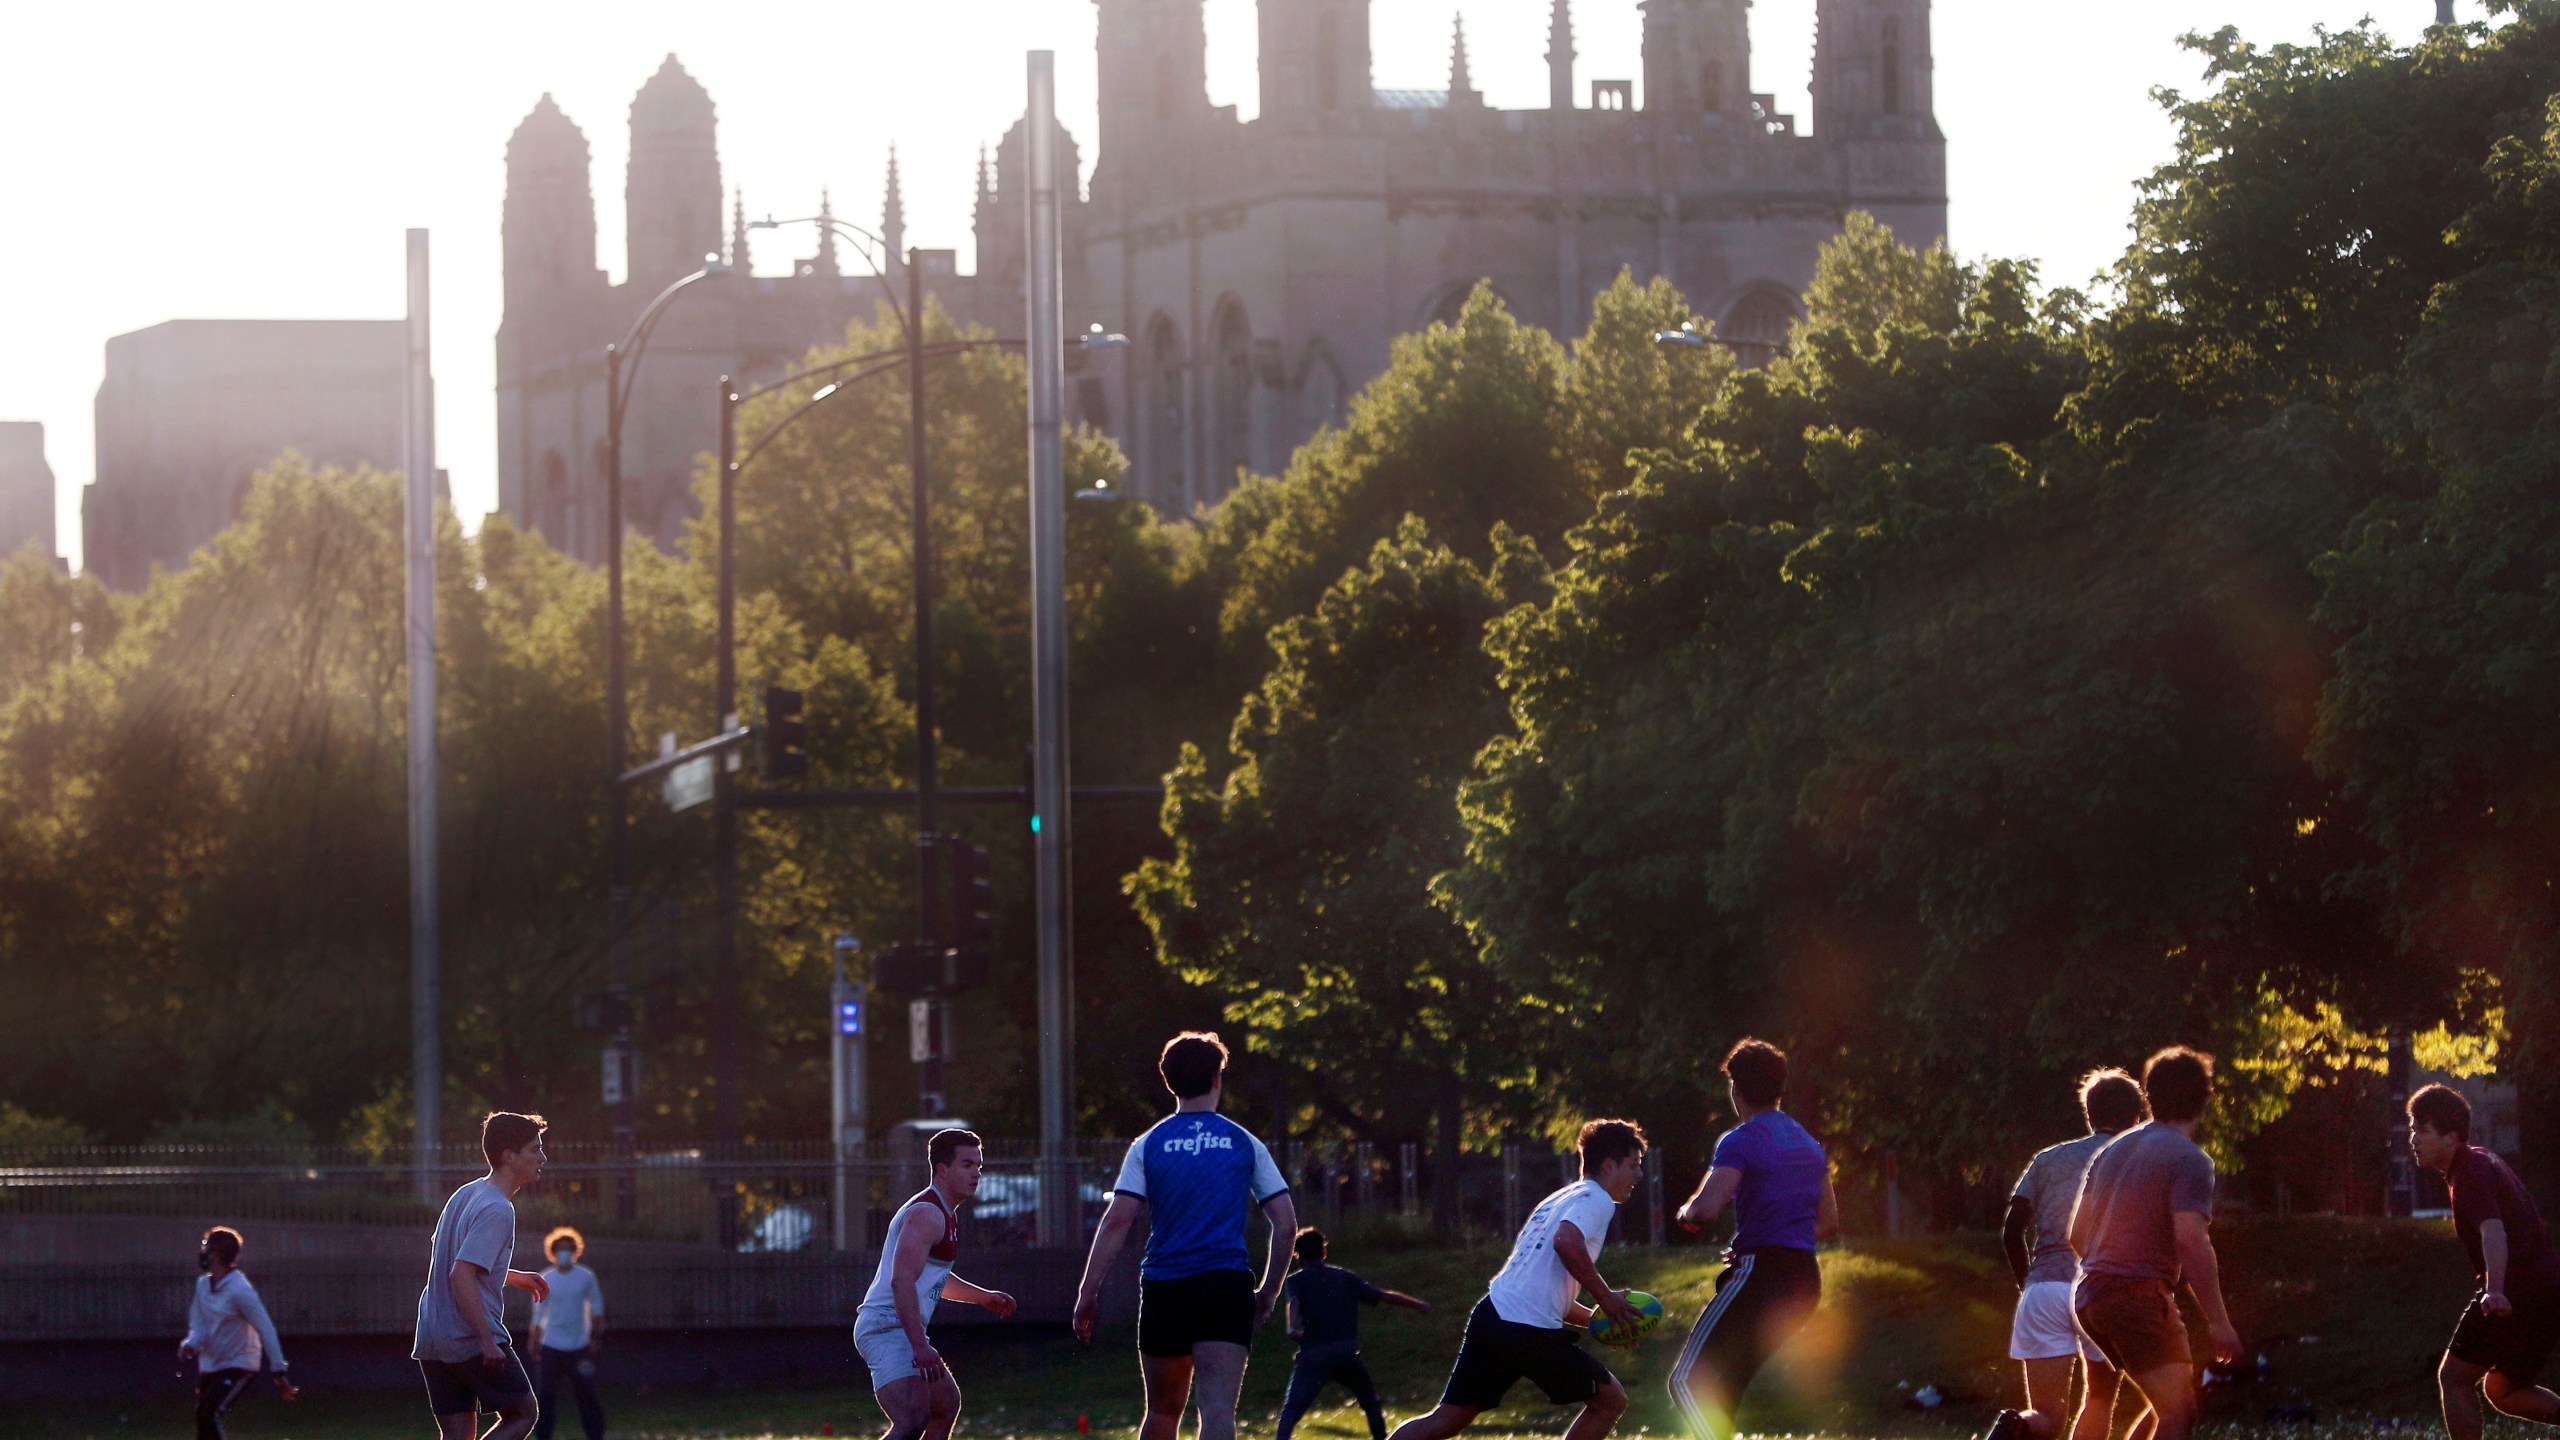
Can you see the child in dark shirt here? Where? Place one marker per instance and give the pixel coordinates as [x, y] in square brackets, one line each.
[1324, 1318]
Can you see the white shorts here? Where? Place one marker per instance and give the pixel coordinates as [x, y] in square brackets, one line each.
[2046, 1328]
[888, 1354]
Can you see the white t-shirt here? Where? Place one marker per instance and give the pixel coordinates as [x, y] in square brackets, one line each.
[1533, 1287]
[228, 1326]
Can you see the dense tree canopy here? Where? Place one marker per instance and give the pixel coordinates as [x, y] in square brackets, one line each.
[2000, 682]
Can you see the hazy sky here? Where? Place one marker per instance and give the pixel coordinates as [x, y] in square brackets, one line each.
[262, 159]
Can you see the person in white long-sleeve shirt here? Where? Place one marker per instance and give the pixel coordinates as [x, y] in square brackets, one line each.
[568, 1332]
[229, 1334]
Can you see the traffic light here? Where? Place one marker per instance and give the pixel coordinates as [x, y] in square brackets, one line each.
[971, 907]
[780, 756]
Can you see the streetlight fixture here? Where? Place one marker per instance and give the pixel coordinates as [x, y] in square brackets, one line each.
[622, 373]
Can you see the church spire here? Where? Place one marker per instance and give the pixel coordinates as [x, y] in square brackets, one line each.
[1560, 56]
[1462, 80]
[893, 211]
[738, 229]
[825, 262]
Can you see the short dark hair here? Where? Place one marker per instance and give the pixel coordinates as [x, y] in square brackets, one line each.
[223, 1243]
[1758, 1071]
[577, 1242]
[945, 1145]
[1310, 1246]
[505, 1130]
[2111, 1100]
[1192, 1062]
[1602, 1141]
[2442, 1109]
[2179, 1083]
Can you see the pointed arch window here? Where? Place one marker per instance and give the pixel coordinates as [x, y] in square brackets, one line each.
[551, 503]
[1233, 408]
[1892, 77]
[1164, 86]
[1160, 411]
[1711, 86]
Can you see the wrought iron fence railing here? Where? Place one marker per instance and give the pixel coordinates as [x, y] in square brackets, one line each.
[769, 1198]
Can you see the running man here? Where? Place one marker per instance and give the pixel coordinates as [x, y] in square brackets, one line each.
[2143, 1222]
[1777, 1178]
[1519, 1330]
[1324, 1318]
[908, 1376]
[2043, 1336]
[568, 1333]
[1197, 1173]
[228, 1333]
[462, 1349]
[2510, 1328]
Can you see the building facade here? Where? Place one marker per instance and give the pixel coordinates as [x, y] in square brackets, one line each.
[26, 489]
[1261, 269]
[190, 410]
[562, 312]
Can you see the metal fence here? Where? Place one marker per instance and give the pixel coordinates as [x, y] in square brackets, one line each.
[764, 1199]
[761, 1199]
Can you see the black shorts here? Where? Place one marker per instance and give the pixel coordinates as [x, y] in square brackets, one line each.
[1174, 1315]
[458, 1388]
[2133, 1320]
[2516, 1344]
[1498, 1353]
[1762, 1299]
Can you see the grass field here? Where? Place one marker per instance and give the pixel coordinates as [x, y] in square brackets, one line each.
[2350, 1315]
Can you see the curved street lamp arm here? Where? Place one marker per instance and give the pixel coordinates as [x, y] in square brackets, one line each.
[865, 245]
[635, 341]
[887, 360]
[937, 351]
[825, 393]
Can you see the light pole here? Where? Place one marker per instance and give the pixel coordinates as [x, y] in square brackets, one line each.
[426, 965]
[622, 371]
[1060, 1218]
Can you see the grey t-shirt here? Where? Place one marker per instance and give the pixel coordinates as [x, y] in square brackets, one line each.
[2126, 1221]
[478, 1225]
[2051, 1185]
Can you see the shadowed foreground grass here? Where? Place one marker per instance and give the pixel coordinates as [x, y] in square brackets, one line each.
[2349, 1313]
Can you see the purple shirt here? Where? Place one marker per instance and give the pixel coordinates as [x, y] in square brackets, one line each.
[1783, 1174]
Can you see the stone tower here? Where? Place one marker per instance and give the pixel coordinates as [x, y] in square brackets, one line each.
[1154, 60]
[548, 225]
[1872, 70]
[672, 193]
[1315, 56]
[1697, 57]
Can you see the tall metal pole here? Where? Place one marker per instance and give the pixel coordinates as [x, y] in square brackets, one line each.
[928, 858]
[618, 729]
[1060, 1215]
[418, 459]
[724, 820]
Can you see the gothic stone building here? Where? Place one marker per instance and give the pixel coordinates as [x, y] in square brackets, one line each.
[1262, 269]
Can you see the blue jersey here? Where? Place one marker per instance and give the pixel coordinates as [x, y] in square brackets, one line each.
[1783, 1175]
[1198, 1173]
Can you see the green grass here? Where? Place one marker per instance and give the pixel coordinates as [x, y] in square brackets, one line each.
[2350, 1313]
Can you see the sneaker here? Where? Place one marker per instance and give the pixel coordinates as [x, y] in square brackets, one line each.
[2009, 1426]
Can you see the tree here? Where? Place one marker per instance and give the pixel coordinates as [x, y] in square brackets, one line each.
[2437, 726]
[1299, 888]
